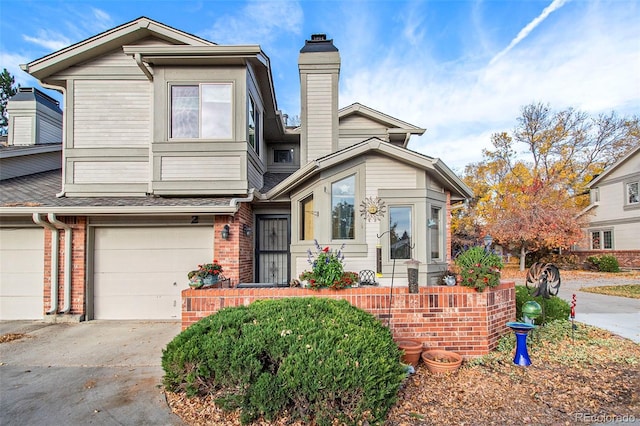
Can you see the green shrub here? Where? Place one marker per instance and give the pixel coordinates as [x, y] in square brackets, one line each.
[605, 263]
[552, 309]
[316, 358]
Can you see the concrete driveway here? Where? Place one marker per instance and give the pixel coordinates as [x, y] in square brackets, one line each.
[96, 372]
[620, 315]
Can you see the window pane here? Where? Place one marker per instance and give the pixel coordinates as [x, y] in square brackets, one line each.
[306, 206]
[343, 208]
[434, 233]
[283, 156]
[400, 232]
[632, 193]
[595, 240]
[184, 111]
[607, 240]
[251, 118]
[216, 111]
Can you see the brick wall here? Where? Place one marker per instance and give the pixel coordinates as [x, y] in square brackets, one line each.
[626, 258]
[235, 254]
[78, 263]
[454, 318]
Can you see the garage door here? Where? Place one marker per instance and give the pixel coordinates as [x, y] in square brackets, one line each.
[21, 273]
[139, 273]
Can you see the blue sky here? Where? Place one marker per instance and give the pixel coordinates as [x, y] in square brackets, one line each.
[460, 69]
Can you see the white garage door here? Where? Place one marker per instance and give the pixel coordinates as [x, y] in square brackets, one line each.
[21, 273]
[139, 273]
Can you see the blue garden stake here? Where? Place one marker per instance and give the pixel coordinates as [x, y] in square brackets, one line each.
[521, 330]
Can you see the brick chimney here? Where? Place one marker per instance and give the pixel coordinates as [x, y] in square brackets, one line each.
[319, 66]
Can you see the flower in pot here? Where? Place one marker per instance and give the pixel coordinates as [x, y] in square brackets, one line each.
[479, 268]
[441, 361]
[209, 273]
[327, 269]
[195, 281]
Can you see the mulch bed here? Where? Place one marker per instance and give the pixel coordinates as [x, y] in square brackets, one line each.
[590, 379]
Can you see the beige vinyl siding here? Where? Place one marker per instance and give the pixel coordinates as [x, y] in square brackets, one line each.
[200, 168]
[22, 130]
[383, 173]
[355, 129]
[111, 113]
[29, 164]
[110, 172]
[319, 119]
[49, 131]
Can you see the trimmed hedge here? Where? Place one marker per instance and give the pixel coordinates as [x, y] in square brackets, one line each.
[604, 263]
[316, 358]
[552, 309]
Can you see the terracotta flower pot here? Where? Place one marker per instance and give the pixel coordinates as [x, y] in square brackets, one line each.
[441, 361]
[411, 351]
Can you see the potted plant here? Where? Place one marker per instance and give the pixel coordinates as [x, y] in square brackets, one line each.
[206, 275]
[411, 350]
[479, 268]
[327, 270]
[441, 361]
[195, 281]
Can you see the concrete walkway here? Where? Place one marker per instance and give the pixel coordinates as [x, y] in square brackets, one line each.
[97, 372]
[620, 315]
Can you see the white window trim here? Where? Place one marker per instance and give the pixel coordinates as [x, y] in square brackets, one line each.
[601, 232]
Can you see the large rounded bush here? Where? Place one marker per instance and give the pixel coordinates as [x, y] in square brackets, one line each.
[316, 358]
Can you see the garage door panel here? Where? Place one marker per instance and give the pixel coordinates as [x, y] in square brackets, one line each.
[135, 269]
[21, 273]
[161, 260]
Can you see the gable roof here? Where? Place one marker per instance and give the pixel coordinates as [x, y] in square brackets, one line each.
[614, 166]
[448, 179]
[386, 120]
[104, 42]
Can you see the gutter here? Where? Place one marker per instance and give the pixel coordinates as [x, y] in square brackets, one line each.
[68, 237]
[55, 243]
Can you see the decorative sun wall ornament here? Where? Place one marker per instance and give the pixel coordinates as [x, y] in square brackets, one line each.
[372, 209]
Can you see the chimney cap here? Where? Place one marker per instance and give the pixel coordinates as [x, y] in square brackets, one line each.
[318, 43]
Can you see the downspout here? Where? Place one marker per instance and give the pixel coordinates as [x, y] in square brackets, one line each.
[55, 242]
[63, 90]
[68, 237]
[235, 202]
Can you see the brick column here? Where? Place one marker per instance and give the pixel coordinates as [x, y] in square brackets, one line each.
[236, 253]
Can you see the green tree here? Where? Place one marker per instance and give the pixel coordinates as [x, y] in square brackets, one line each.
[529, 200]
[7, 90]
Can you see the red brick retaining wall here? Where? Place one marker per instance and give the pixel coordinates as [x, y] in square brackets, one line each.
[626, 258]
[454, 318]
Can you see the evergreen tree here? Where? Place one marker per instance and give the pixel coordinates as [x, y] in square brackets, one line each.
[7, 90]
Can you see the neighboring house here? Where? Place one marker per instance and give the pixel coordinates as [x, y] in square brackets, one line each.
[614, 212]
[175, 153]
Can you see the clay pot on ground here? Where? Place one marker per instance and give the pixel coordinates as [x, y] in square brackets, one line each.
[441, 361]
[411, 350]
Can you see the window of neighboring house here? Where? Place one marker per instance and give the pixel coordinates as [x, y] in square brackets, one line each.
[307, 215]
[254, 126]
[633, 197]
[601, 239]
[400, 232]
[283, 156]
[343, 212]
[435, 233]
[201, 111]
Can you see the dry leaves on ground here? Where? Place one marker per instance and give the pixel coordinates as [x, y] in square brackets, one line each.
[591, 378]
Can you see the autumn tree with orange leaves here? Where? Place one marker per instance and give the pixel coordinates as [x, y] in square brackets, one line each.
[530, 199]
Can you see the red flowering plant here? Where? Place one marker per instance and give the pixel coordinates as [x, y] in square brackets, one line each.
[327, 269]
[478, 268]
[206, 269]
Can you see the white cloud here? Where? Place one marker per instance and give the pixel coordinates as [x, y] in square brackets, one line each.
[585, 57]
[259, 22]
[11, 62]
[50, 40]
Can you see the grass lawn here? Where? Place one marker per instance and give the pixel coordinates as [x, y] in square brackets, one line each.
[629, 290]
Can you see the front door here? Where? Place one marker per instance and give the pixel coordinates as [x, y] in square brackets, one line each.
[273, 237]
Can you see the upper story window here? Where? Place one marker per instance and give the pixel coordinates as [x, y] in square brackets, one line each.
[400, 232]
[202, 111]
[633, 197]
[343, 212]
[283, 156]
[253, 118]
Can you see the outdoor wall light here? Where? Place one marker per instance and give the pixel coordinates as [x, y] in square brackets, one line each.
[225, 232]
[246, 230]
